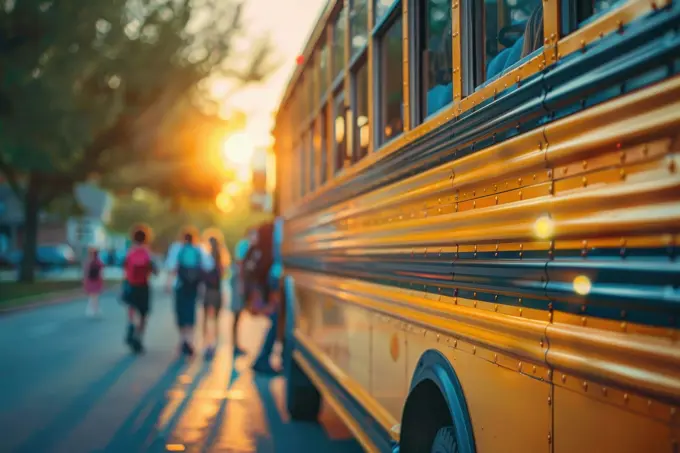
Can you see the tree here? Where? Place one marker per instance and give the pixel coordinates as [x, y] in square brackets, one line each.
[166, 218]
[87, 85]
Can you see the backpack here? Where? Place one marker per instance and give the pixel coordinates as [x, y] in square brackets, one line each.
[94, 272]
[259, 259]
[138, 267]
[189, 265]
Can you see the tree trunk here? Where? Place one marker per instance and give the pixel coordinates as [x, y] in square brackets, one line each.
[30, 245]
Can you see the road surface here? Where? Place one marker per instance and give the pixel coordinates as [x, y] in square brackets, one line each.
[70, 385]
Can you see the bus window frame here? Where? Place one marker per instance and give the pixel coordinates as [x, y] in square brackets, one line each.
[531, 65]
[356, 65]
[302, 165]
[339, 104]
[396, 12]
[417, 94]
[322, 153]
[311, 163]
[612, 21]
[318, 57]
[557, 45]
[356, 54]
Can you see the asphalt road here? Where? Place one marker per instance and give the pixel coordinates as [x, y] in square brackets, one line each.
[68, 384]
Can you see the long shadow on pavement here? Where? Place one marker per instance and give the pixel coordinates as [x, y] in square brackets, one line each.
[291, 437]
[144, 435]
[135, 430]
[75, 412]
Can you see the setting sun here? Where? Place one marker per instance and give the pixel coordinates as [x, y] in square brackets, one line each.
[238, 149]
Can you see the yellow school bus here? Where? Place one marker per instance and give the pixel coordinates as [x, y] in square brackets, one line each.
[482, 213]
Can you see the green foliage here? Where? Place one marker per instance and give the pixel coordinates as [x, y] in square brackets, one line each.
[167, 218]
[86, 87]
[84, 83]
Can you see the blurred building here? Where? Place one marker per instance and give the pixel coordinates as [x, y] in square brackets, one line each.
[79, 232]
[52, 229]
[263, 179]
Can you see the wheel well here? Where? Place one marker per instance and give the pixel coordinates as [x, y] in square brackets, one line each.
[425, 412]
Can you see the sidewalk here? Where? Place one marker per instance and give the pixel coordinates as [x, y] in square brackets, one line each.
[74, 273]
[67, 288]
[73, 387]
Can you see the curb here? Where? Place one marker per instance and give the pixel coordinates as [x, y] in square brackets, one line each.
[53, 298]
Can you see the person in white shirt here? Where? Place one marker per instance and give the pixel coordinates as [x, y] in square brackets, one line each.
[187, 263]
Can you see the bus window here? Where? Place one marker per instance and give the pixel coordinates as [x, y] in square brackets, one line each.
[382, 9]
[311, 160]
[323, 68]
[339, 31]
[434, 57]
[302, 166]
[339, 145]
[579, 13]
[313, 79]
[360, 108]
[358, 18]
[513, 30]
[321, 145]
[391, 80]
[304, 101]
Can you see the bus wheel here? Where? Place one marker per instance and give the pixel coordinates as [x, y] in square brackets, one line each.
[303, 399]
[445, 442]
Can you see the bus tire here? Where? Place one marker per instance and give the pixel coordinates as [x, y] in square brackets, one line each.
[435, 417]
[302, 398]
[445, 442]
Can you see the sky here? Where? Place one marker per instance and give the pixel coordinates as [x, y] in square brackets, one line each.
[289, 24]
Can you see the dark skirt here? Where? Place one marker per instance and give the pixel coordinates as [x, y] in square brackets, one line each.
[185, 305]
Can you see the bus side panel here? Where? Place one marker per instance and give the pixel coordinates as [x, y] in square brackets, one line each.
[586, 425]
[510, 410]
[341, 331]
[390, 380]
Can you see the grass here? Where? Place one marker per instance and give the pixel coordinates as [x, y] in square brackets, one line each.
[15, 293]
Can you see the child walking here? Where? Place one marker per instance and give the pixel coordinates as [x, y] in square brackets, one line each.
[213, 293]
[136, 294]
[93, 281]
[187, 263]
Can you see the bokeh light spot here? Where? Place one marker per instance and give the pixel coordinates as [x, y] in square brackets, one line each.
[544, 227]
[582, 285]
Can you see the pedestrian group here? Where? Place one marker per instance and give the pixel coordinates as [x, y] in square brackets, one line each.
[197, 268]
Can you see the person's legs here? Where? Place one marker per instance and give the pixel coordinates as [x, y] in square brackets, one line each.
[206, 316]
[216, 325]
[89, 311]
[237, 349]
[94, 300]
[142, 315]
[261, 364]
[130, 333]
[210, 338]
[186, 317]
[209, 323]
[141, 327]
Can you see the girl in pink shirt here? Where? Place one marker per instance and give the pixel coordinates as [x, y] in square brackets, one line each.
[93, 282]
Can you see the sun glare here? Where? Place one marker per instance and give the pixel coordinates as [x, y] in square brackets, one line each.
[238, 149]
[224, 202]
[219, 88]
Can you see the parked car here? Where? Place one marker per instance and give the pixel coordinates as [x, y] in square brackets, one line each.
[6, 261]
[48, 256]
